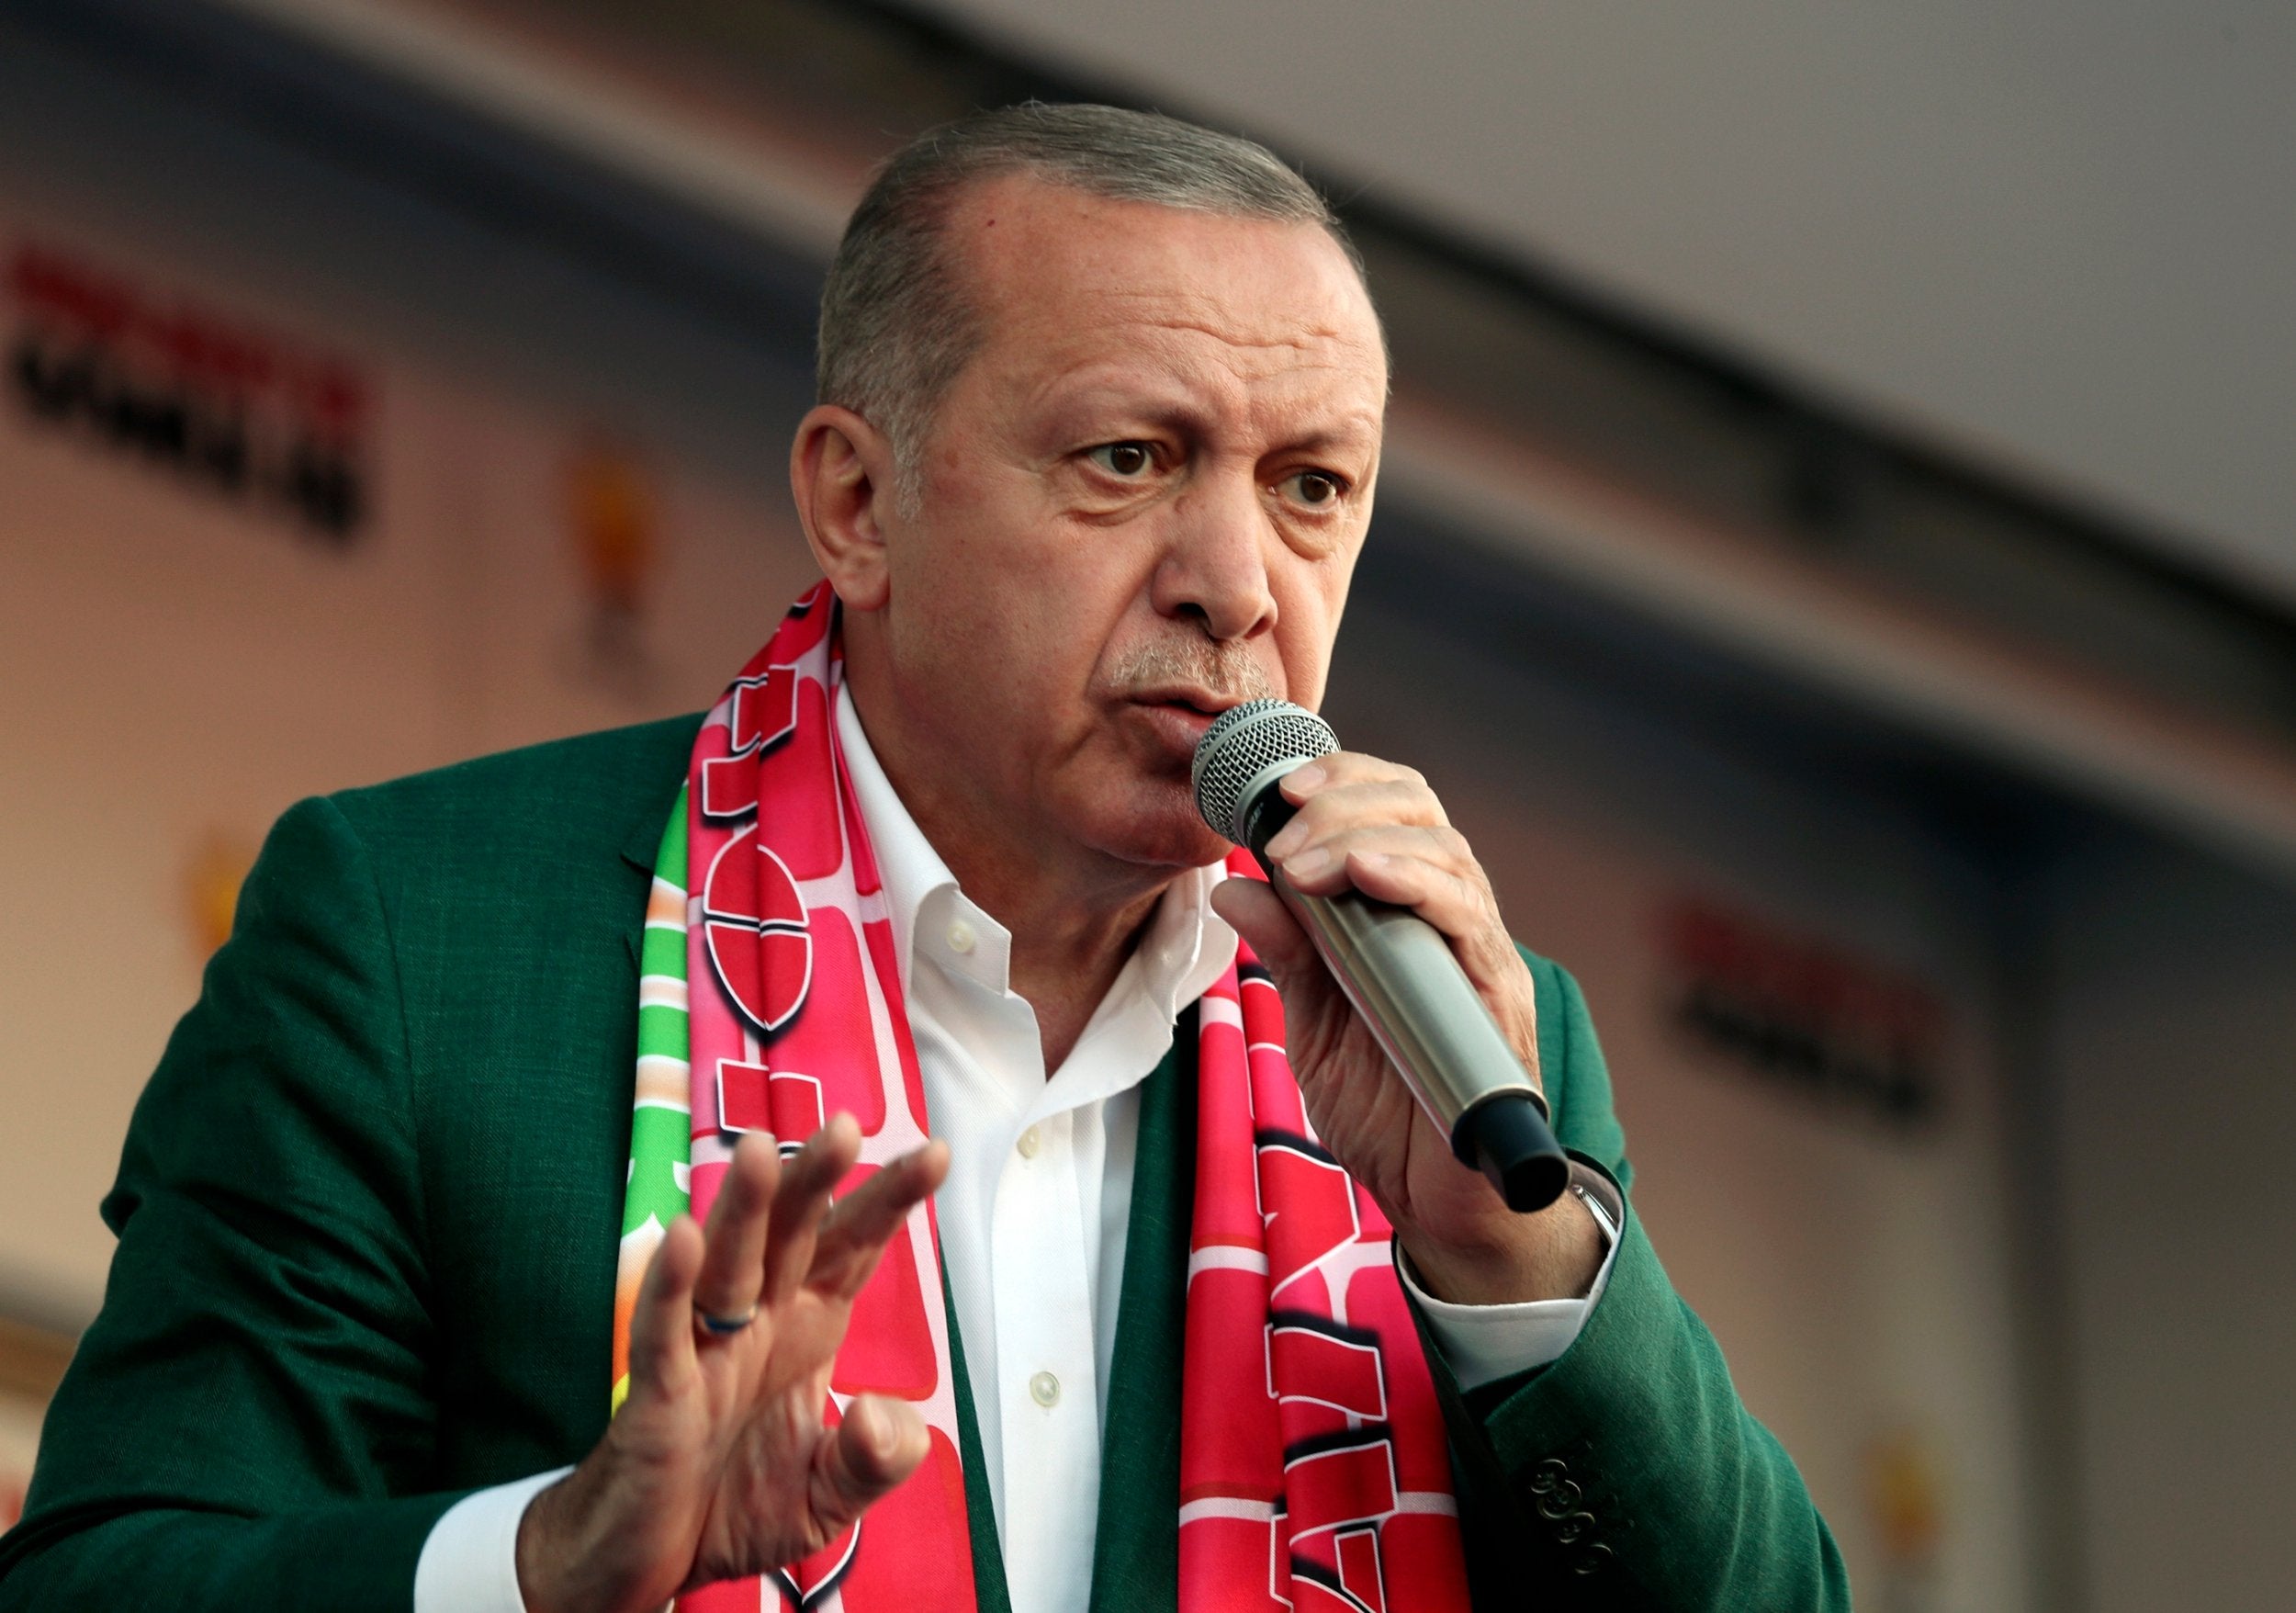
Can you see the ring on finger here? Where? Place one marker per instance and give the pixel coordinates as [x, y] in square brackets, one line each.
[723, 1326]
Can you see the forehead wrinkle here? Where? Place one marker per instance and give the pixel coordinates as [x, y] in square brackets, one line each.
[1206, 315]
[1163, 357]
[1185, 352]
[1309, 342]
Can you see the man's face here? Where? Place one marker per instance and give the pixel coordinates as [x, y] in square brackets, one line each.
[1142, 500]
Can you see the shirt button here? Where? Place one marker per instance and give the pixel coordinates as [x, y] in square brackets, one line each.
[961, 937]
[1029, 1144]
[1044, 1388]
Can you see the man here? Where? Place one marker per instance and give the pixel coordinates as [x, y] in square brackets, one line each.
[1102, 398]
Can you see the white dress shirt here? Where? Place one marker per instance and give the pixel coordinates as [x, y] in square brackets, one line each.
[1033, 1217]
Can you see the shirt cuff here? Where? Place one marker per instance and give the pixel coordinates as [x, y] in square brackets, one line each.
[470, 1561]
[1483, 1344]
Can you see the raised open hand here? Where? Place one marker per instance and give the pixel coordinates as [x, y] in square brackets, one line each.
[719, 1465]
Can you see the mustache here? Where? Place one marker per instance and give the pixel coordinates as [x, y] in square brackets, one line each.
[1227, 670]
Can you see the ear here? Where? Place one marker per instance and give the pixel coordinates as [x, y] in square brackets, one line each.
[840, 478]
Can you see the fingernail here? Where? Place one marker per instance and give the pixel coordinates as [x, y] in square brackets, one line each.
[1300, 779]
[1286, 842]
[1309, 863]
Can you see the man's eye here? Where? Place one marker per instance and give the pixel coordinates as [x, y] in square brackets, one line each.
[1315, 490]
[1124, 459]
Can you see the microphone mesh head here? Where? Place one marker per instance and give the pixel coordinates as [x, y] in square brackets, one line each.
[1244, 743]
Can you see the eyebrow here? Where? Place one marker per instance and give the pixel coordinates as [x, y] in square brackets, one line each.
[1066, 394]
[1344, 436]
[1185, 419]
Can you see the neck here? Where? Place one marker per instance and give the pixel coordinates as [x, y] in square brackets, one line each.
[1075, 914]
[1067, 946]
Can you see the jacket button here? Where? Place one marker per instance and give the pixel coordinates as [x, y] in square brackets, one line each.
[1548, 1474]
[1561, 1501]
[1593, 1560]
[1575, 1527]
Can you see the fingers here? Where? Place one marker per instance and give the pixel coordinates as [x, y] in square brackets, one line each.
[661, 1325]
[1372, 826]
[740, 1220]
[767, 1228]
[1441, 883]
[1334, 790]
[804, 1198]
[1351, 807]
[1330, 862]
[879, 1443]
[868, 1217]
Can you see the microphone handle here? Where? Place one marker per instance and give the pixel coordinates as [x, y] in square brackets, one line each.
[1408, 987]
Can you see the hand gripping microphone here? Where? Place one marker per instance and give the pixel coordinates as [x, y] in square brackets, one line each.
[1394, 966]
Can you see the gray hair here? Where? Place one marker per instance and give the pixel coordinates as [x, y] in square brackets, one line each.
[897, 326]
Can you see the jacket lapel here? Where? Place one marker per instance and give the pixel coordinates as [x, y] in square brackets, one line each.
[640, 846]
[1136, 1549]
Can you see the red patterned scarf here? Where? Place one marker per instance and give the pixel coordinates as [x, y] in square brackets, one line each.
[1313, 1473]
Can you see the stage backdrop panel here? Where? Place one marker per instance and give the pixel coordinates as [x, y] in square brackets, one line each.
[188, 644]
[484, 499]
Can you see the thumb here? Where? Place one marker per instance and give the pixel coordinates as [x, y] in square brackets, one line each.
[1255, 912]
[879, 1443]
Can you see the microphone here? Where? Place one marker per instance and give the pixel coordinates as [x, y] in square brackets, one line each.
[1395, 967]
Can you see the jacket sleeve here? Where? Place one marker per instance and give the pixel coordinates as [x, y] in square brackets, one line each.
[1626, 1475]
[250, 1421]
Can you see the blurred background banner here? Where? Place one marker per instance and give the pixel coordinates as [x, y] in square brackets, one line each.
[1905, 763]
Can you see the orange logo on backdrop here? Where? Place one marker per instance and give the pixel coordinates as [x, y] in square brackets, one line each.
[610, 502]
[614, 526]
[1906, 1498]
[217, 868]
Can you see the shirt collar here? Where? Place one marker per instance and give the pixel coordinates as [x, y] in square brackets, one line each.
[1185, 949]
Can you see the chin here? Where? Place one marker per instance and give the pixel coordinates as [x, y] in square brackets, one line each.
[1202, 846]
[1160, 828]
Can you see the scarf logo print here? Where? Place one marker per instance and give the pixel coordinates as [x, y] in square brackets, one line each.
[755, 920]
[1339, 1482]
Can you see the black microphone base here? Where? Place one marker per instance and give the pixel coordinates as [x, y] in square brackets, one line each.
[1506, 1138]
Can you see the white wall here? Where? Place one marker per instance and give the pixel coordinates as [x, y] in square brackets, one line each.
[2175, 1064]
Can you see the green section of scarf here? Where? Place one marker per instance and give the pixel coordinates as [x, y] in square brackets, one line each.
[661, 1146]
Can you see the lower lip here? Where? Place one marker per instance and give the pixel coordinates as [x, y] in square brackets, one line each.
[1183, 726]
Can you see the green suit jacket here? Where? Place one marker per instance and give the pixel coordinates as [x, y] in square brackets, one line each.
[368, 1212]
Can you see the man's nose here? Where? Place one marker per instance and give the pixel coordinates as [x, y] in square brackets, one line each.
[1215, 566]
